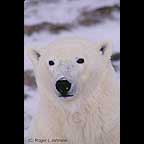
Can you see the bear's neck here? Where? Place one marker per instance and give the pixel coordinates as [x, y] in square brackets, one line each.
[87, 118]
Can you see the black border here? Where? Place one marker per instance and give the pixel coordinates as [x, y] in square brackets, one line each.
[12, 66]
[131, 72]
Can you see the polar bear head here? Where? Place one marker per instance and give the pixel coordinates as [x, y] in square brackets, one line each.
[71, 67]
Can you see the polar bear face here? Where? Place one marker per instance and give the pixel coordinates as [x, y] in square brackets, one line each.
[71, 67]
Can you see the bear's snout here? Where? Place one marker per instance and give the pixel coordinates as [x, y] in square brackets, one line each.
[63, 87]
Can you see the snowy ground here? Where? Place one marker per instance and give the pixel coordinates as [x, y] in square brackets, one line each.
[59, 12]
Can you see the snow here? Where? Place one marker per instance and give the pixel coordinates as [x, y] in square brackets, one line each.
[64, 11]
[30, 107]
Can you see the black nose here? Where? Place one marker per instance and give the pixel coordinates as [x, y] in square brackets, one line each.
[63, 86]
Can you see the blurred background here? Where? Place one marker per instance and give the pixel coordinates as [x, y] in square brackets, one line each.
[47, 20]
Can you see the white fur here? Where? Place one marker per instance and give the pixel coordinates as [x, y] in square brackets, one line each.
[92, 115]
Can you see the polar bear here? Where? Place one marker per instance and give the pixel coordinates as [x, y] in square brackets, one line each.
[79, 94]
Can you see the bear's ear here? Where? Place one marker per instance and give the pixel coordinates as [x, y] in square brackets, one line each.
[105, 49]
[35, 54]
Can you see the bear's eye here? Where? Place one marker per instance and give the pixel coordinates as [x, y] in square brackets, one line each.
[80, 61]
[51, 63]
